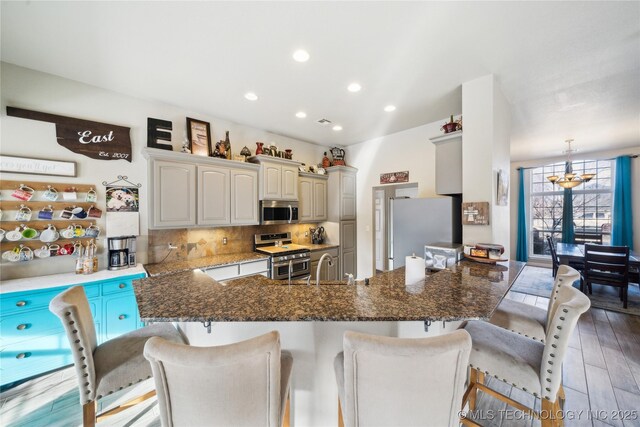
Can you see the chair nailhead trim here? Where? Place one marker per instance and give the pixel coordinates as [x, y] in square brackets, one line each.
[548, 380]
[565, 310]
[77, 341]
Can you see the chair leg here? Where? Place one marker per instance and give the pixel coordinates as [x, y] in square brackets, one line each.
[547, 414]
[625, 295]
[286, 420]
[473, 380]
[89, 414]
[340, 419]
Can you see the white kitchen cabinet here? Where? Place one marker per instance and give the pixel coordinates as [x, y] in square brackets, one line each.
[242, 269]
[244, 197]
[214, 196]
[448, 163]
[342, 193]
[312, 193]
[348, 248]
[278, 178]
[188, 191]
[173, 192]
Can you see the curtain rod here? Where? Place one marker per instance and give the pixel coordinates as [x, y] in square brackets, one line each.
[631, 156]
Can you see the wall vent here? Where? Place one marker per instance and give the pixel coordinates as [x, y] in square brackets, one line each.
[323, 121]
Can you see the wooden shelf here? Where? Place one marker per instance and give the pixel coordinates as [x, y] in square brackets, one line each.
[43, 186]
[14, 205]
[37, 244]
[41, 224]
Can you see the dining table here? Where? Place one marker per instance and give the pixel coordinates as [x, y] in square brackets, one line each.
[575, 252]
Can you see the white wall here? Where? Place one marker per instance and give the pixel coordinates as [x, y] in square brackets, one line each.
[606, 154]
[407, 150]
[485, 150]
[37, 91]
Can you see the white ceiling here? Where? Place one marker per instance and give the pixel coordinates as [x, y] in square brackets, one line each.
[569, 69]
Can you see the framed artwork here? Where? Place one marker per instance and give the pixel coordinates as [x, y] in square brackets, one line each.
[122, 199]
[394, 177]
[199, 134]
[502, 198]
[33, 166]
[475, 213]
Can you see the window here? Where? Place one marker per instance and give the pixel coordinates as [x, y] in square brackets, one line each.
[592, 202]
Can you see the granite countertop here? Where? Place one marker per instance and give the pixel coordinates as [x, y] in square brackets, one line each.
[467, 291]
[320, 247]
[165, 268]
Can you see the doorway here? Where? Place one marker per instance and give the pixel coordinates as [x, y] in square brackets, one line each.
[381, 196]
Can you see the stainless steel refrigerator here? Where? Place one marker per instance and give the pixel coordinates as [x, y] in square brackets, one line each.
[414, 223]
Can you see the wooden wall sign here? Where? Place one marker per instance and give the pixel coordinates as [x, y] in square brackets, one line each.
[475, 213]
[394, 177]
[96, 140]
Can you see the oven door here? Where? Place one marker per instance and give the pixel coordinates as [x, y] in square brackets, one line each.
[300, 268]
[277, 212]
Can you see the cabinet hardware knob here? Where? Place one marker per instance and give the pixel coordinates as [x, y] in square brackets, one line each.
[122, 285]
[23, 355]
[121, 317]
[21, 303]
[22, 326]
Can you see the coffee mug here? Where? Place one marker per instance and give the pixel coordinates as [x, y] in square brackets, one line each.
[14, 235]
[92, 231]
[78, 231]
[92, 196]
[23, 193]
[67, 212]
[69, 232]
[12, 255]
[69, 194]
[43, 252]
[79, 213]
[2, 232]
[24, 213]
[53, 249]
[51, 194]
[26, 254]
[46, 213]
[30, 233]
[50, 234]
[94, 212]
[66, 249]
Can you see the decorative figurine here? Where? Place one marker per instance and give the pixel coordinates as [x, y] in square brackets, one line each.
[338, 156]
[245, 152]
[288, 154]
[325, 161]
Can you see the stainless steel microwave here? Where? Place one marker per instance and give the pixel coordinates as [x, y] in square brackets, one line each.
[278, 212]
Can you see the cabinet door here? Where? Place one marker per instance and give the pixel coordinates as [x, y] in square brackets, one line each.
[348, 248]
[348, 186]
[174, 194]
[120, 315]
[348, 263]
[314, 270]
[244, 197]
[271, 182]
[214, 196]
[289, 182]
[305, 203]
[319, 200]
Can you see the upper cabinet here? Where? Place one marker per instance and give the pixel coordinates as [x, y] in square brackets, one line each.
[342, 193]
[312, 194]
[448, 163]
[278, 178]
[189, 191]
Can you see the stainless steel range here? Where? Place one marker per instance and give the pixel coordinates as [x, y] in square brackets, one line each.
[285, 255]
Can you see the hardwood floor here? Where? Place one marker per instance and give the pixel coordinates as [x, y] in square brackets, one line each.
[601, 375]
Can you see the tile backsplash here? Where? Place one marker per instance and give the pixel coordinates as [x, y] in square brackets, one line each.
[195, 243]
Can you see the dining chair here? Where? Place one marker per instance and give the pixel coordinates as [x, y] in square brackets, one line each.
[114, 365]
[607, 265]
[529, 320]
[526, 364]
[555, 259]
[239, 384]
[385, 381]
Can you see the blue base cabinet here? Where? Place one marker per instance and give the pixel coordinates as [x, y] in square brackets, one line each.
[32, 340]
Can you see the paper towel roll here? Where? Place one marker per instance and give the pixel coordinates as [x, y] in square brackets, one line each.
[414, 269]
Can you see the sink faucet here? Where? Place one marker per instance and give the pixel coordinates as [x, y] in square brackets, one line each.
[320, 266]
[290, 270]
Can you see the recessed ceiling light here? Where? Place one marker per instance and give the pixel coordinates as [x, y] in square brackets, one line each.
[354, 87]
[301, 55]
[337, 127]
[251, 96]
[301, 114]
[390, 108]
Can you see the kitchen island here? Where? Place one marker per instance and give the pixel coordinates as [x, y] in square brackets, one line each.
[312, 319]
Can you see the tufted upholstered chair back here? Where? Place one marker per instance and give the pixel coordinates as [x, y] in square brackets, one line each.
[72, 307]
[565, 277]
[402, 382]
[570, 305]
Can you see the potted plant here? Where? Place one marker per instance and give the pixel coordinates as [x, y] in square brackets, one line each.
[452, 125]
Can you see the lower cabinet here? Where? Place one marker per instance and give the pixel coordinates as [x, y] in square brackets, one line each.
[32, 340]
[328, 272]
[233, 271]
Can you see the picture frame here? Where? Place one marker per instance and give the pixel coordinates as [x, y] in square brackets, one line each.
[122, 199]
[502, 194]
[34, 166]
[199, 135]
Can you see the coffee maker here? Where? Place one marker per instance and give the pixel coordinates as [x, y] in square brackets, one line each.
[122, 252]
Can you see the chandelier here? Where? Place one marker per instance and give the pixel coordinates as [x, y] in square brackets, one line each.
[570, 179]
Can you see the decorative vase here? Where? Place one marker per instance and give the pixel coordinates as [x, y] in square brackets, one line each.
[325, 161]
[288, 154]
[259, 146]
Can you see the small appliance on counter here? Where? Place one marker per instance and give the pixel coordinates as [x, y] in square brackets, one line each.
[122, 252]
[440, 255]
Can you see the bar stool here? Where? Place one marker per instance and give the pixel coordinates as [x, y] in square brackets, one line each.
[111, 366]
[386, 381]
[240, 384]
[528, 320]
[524, 363]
